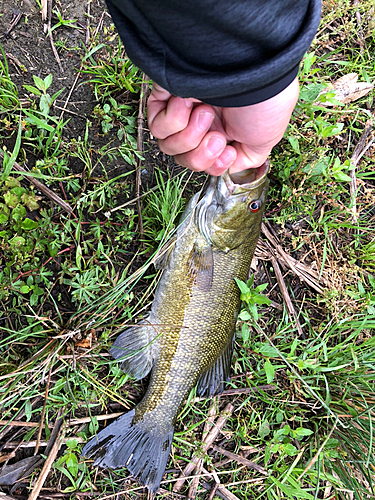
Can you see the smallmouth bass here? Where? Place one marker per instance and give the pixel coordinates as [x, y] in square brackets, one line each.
[187, 338]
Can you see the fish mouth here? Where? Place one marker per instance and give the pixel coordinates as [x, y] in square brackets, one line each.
[245, 180]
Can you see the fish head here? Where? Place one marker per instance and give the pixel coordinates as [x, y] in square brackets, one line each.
[233, 207]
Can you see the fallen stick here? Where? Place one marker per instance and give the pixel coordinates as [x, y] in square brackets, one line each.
[358, 152]
[41, 425]
[140, 121]
[248, 390]
[207, 427]
[210, 438]
[221, 491]
[44, 189]
[31, 444]
[47, 466]
[239, 459]
[285, 294]
[50, 36]
[304, 273]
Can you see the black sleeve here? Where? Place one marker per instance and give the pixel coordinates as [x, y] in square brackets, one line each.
[224, 52]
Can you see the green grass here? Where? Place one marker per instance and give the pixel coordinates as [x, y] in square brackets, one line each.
[69, 283]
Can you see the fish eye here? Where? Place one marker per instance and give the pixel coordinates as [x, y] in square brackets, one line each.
[255, 206]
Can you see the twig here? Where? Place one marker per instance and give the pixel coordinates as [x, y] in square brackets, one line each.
[19, 423]
[31, 444]
[358, 152]
[207, 427]
[213, 491]
[285, 293]
[239, 459]
[50, 36]
[140, 120]
[44, 189]
[222, 491]
[43, 412]
[47, 466]
[304, 273]
[13, 24]
[209, 439]
[44, 10]
[359, 30]
[85, 420]
[88, 22]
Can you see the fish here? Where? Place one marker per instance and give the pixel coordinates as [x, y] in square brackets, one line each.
[187, 338]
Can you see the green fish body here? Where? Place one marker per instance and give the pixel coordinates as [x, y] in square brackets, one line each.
[187, 338]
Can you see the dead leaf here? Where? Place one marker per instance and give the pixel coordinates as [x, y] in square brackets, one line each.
[347, 89]
[87, 342]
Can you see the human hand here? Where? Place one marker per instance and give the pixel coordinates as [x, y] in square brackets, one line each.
[212, 139]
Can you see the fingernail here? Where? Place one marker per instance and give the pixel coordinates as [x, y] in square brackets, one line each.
[227, 157]
[188, 104]
[204, 120]
[215, 145]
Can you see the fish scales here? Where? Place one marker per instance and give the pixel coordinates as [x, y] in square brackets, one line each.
[188, 335]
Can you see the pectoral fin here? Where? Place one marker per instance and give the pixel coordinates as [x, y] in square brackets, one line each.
[134, 348]
[201, 267]
[212, 381]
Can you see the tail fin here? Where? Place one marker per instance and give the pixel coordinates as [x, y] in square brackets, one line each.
[124, 444]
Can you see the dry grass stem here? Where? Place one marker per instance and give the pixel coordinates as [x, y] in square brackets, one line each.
[305, 273]
[289, 305]
[239, 459]
[209, 439]
[207, 427]
[140, 141]
[358, 152]
[44, 189]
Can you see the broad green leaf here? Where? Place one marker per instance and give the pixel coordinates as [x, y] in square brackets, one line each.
[33, 90]
[268, 351]
[264, 429]
[341, 177]
[242, 286]
[300, 431]
[30, 201]
[270, 371]
[11, 199]
[9, 162]
[47, 81]
[28, 410]
[72, 464]
[294, 143]
[39, 83]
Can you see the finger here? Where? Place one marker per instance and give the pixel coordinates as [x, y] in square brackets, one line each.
[168, 117]
[247, 158]
[204, 156]
[188, 139]
[225, 160]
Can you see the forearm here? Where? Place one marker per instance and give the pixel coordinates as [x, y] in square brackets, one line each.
[224, 53]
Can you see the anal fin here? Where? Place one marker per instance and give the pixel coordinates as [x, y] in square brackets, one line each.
[134, 348]
[212, 381]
